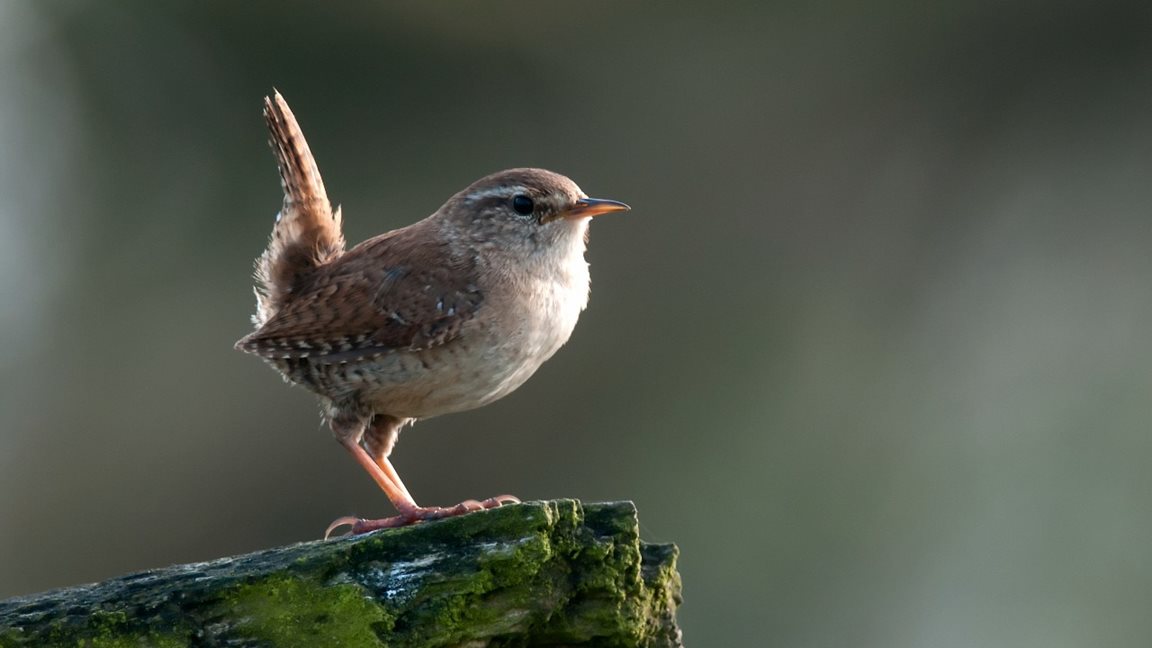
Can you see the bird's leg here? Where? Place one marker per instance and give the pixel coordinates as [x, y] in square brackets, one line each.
[350, 429]
[378, 438]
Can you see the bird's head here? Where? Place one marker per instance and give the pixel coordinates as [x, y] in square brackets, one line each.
[530, 208]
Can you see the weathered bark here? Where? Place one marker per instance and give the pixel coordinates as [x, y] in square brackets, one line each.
[549, 573]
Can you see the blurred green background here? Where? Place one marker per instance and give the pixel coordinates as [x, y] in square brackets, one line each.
[872, 347]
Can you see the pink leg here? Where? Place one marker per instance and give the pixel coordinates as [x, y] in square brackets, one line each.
[379, 437]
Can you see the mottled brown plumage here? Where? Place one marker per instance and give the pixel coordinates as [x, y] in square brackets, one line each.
[308, 232]
[447, 314]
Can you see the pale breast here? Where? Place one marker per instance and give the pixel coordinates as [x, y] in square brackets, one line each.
[496, 353]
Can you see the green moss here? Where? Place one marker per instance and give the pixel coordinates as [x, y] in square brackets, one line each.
[149, 640]
[113, 629]
[491, 601]
[100, 638]
[100, 629]
[292, 611]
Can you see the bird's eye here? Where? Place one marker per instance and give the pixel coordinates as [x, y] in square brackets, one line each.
[523, 204]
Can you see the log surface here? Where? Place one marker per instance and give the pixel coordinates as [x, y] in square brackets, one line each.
[554, 573]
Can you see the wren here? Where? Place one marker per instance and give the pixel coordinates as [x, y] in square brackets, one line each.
[447, 314]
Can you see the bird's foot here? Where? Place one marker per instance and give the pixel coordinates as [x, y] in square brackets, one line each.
[417, 514]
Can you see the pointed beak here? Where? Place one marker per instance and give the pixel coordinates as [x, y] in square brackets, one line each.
[588, 207]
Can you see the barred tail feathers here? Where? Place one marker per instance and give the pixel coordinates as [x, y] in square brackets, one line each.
[308, 232]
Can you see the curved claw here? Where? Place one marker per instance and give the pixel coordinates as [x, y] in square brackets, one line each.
[339, 522]
[500, 500]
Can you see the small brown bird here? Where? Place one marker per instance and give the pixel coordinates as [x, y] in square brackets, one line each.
[444, 315]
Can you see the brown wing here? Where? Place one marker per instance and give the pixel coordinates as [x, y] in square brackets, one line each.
[393, 293]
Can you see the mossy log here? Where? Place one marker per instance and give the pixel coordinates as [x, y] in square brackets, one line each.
[552, 573]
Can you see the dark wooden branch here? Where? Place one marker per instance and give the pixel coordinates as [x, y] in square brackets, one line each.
[552, 573]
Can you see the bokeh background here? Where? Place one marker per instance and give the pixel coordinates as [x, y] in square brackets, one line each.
[873, 346]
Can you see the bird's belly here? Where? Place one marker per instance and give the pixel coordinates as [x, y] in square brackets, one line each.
[487, 362]
[453, 378]
[458, 376]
